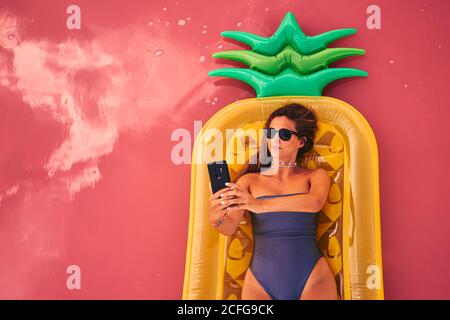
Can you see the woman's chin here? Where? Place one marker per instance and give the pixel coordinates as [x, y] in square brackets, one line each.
[275, 150]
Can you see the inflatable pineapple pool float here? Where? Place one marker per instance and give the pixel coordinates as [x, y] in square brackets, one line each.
[291, 67]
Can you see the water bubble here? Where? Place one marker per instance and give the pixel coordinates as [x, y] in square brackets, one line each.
[266, 10]
[239, 24]
[202, 59]
[405, 85]
[204, 31]
[215, 99]
[220, 46]
[167, 23]
[150, 23]
[391, 61]
[158, 53]
[164, 9]
[205, 26]
[181, 22]
[188, 18]
[10, 39]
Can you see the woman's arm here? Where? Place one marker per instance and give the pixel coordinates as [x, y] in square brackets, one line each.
[230, 219]
[308, 202]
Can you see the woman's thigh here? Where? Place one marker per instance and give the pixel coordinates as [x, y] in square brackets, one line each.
[252, 289]
[321, 284]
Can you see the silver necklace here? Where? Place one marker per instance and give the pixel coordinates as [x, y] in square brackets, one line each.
[284, 164]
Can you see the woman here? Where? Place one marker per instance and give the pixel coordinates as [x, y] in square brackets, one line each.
[284, 201]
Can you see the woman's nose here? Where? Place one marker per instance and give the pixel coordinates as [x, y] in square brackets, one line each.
[275, 142]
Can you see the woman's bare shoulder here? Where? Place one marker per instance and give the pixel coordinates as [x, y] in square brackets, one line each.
[312, 171]
[247, 179]
[318, 171]
[318, 175]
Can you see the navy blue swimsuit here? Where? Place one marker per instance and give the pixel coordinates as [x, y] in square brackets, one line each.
[285, 250]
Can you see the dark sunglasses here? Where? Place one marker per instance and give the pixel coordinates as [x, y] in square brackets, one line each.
[284, 134]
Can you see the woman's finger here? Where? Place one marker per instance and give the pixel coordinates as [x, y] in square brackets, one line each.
[218, 202]
[236, 193]
[218, 193]
[221, 210]
[227, 197]
[238, 207]
[234, 185]
[215, 203]
[232, 201]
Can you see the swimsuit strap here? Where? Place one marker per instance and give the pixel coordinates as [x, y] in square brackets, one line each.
[279, 195]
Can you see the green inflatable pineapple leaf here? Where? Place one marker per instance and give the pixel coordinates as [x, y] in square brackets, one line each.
[289, 32]
[303, 64]
[288, 82]
[289, 62]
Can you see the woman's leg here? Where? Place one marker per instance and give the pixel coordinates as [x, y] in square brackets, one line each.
[252, 289]
[321, 284]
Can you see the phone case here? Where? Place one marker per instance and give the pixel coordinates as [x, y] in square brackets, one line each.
[218, 175]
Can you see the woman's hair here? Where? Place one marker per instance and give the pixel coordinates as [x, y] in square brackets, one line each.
[305, 124]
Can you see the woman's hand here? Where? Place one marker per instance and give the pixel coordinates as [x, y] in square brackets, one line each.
[217, 210]
[239, 198]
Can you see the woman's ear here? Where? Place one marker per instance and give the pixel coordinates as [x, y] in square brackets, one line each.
[300, 145]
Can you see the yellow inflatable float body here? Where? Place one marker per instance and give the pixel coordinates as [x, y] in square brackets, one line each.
[348, 232]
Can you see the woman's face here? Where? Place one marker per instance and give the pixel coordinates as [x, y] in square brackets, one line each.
[284, 150]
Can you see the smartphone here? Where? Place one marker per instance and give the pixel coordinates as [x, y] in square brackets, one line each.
[218, 175]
